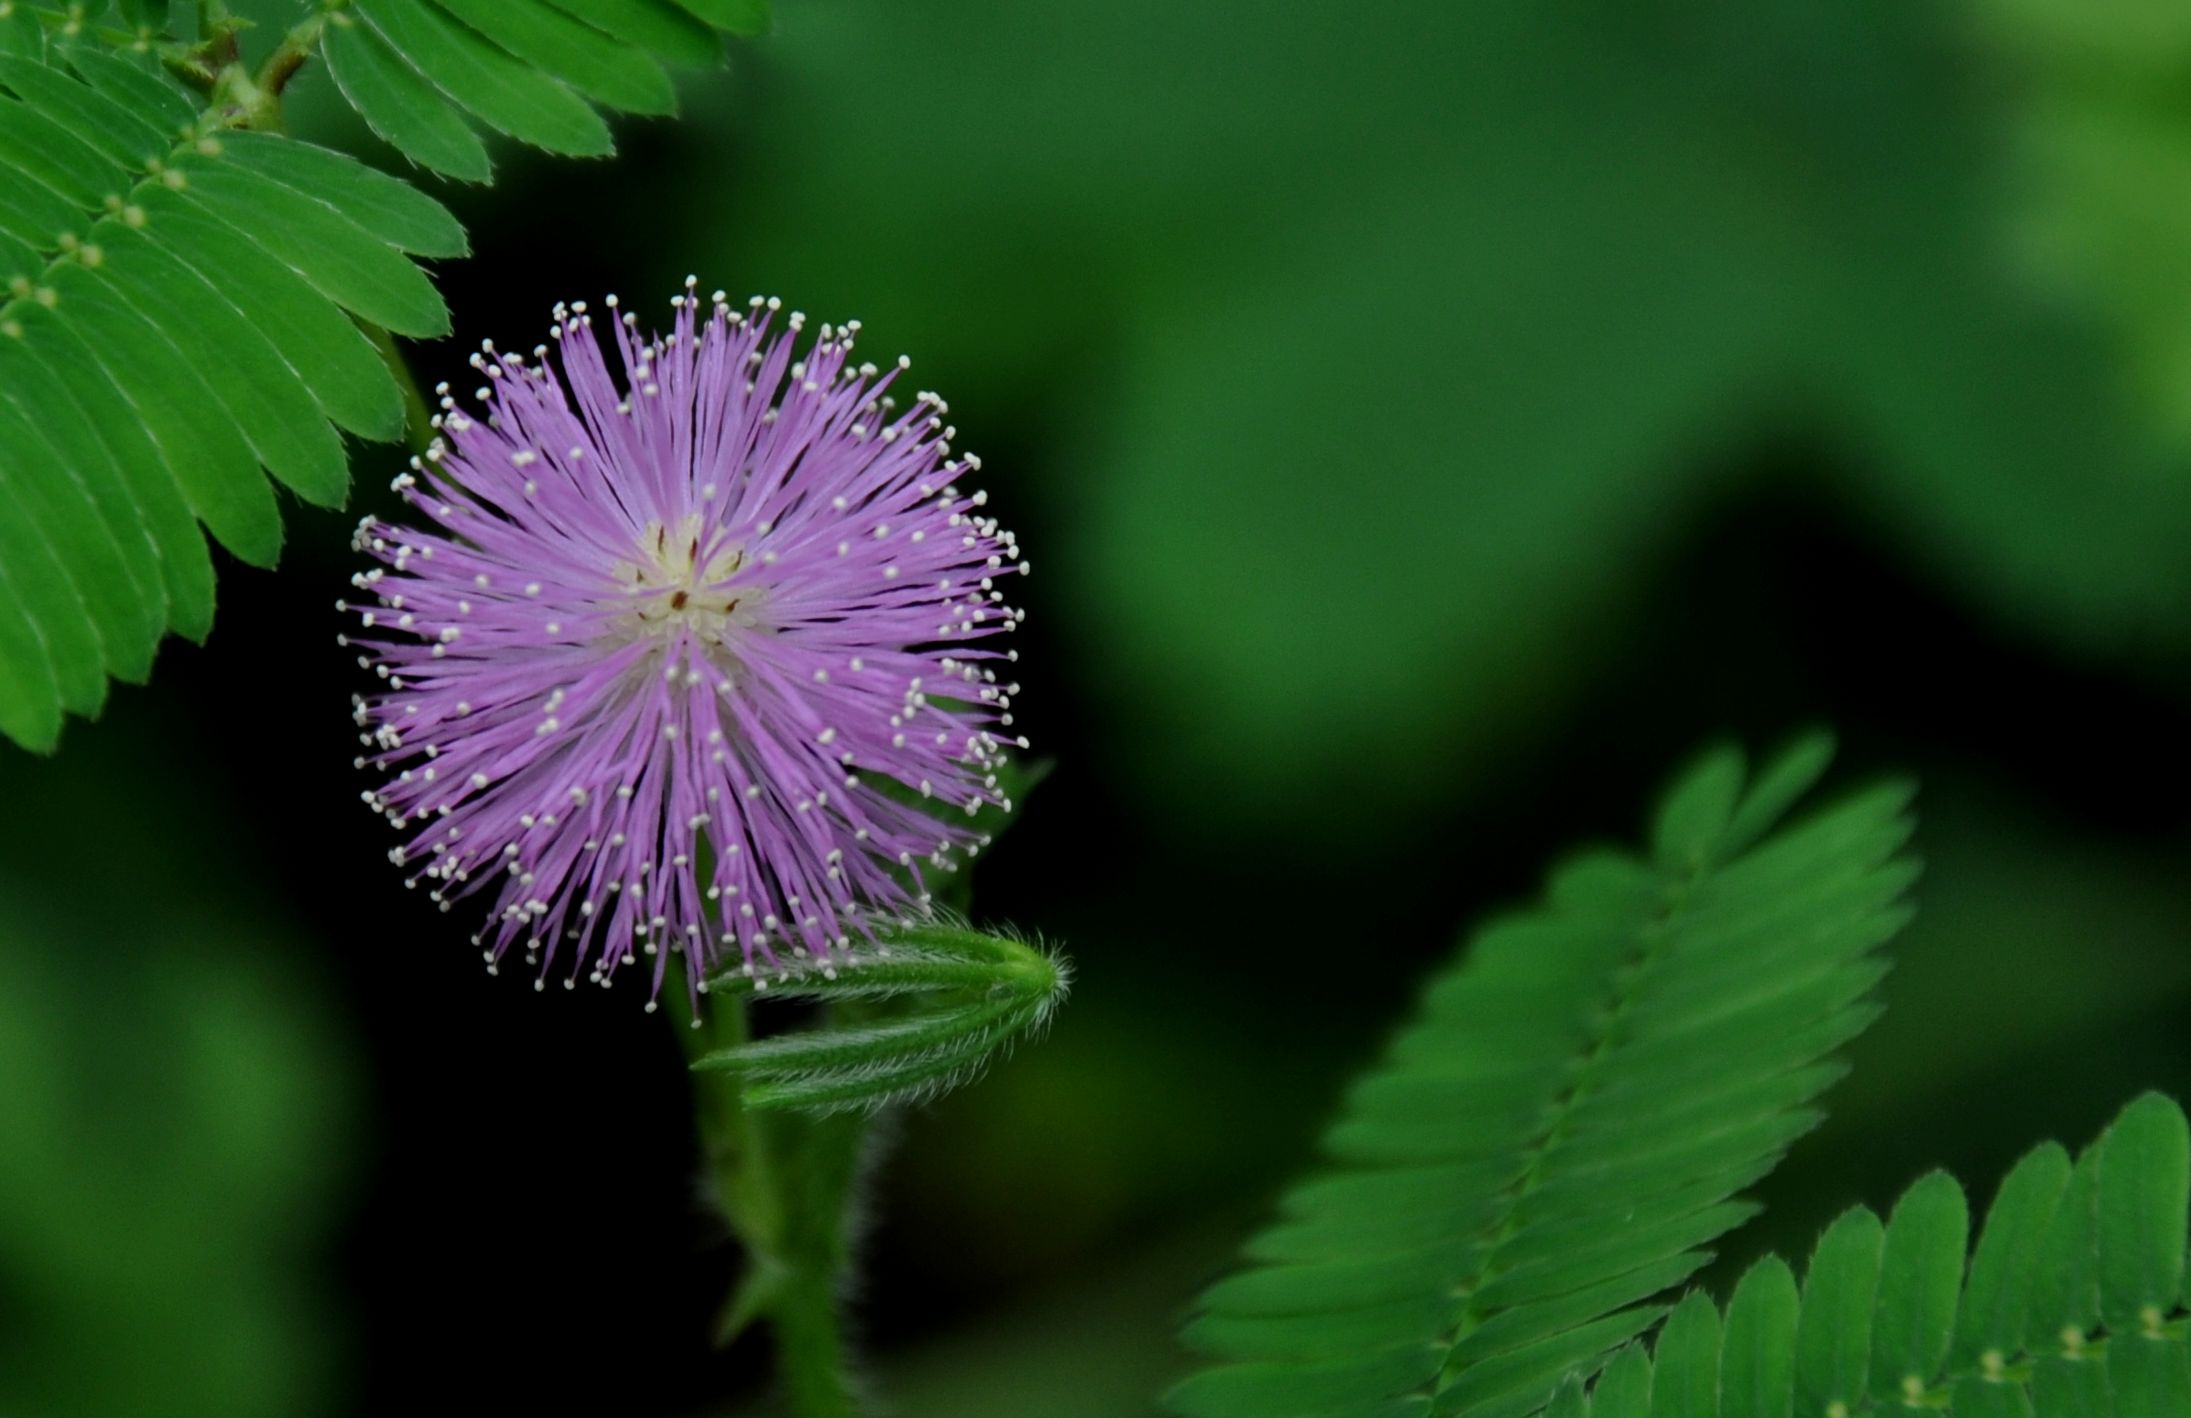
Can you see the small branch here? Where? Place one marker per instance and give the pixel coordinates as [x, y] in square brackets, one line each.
[784, 1184]
[281, 66]
[810, 1350]
[212, 63]
[290, 55]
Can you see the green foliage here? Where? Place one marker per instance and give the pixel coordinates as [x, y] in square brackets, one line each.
[191, 306]
[178, 1142]
[1480, 437]
[2101, 170]
[424, 73]
[2071, 1303]
[1549, 1150]
[167, 1157]
[921, 1013]
[1553, 1145]
[176, 322]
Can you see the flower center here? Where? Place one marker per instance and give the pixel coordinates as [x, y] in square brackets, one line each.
[676, 585]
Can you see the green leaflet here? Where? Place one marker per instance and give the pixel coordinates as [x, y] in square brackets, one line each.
[58, 621]
[271, 399]
[1977, 1397]
[397, 213]
[1757, 1353]
[1554, 1144]
[202, 450]
[2065, 1300]
[150, 95]
[44, 148]
[125, 135]
[339, 258]
[262, 394]
[656, 26]
[737, 16]
[2131, 1180]
[1833, 1329]
[922, 1012]
[399, 104]
[1998, 1296]
[20, 34]
[35, 215]
[62, 421]
[1625, 1390]
[414, 69]
[49, 216]
[186, 566]
[2145, 1172]
[350, 383]
[1693, 821]
[600, 67]
[2149, 1374]
[30, 697]
[1687, 1382]
[48, 491]
[1919, 1276]
[487, 81]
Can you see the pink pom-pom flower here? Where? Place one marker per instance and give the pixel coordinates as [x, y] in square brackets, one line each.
[701, 661]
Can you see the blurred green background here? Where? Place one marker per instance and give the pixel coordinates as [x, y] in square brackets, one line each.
[1430, 423]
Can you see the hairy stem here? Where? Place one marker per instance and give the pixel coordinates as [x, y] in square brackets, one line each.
[784, 1184]
[810, 1351]
[290, 55]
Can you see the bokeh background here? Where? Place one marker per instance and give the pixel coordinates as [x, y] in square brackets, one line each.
[1430, 422]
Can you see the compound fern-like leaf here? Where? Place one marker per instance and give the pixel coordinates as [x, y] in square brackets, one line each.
[178, 322]
[2072, 1303]
[188, 308]
[1553, 1146]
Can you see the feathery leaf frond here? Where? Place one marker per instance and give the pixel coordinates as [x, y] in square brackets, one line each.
[2071, 1303]
[177, 318]
[186, 304]
[1554, 1144]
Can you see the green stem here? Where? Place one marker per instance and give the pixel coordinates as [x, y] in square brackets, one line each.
[290, 55]
[783, 1183]
[810, 1351]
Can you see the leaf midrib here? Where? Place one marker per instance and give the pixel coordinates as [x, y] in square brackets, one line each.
[1650, 947]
